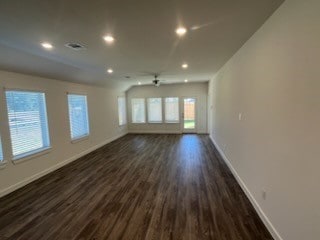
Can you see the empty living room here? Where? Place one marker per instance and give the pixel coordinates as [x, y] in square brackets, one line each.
[159, 120]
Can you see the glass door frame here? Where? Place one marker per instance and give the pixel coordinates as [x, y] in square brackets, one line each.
[188, 130]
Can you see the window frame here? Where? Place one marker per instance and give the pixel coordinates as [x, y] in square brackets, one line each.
[165, 115]
[33, 153]
[3, 162]
[145, 112]
[125, 111]
[82, 137]
[161, 110]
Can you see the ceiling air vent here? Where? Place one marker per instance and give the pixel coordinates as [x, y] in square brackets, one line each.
[75, 46]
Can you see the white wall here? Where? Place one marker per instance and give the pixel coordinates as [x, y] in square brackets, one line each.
[103, 117]
[197, 90]
[274, 81]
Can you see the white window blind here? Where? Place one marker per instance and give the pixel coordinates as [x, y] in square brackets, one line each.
[122, 111]
[1, 154]
[28, 123]
[78, 116]
[154, 110]
[138, 110]
[172, 110]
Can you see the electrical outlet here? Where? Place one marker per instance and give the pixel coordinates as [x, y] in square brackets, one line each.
[264, 195]
[240, 116]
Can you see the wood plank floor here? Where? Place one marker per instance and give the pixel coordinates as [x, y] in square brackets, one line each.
[153, 187]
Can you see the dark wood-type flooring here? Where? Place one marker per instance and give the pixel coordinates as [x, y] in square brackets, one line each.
[153, 187]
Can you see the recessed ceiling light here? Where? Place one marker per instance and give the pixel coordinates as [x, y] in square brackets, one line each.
[186, 80]
[139, 83]
[184, 66]
[110, 70]
[108, 38]
[46, 45]
[181, 31]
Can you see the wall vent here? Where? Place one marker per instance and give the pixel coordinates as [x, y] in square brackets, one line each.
[75, 46]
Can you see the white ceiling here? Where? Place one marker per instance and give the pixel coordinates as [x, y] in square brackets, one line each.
[145, 37]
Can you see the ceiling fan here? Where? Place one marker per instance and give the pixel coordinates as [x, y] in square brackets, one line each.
[156, 81]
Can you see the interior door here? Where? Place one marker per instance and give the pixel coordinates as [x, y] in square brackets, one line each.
[189, 112]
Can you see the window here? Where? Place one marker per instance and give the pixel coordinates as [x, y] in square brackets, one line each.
[122, 111]
[172, 110]
[138, 110]
[1, 154]
[28, 123]
[78, 116]
[154, 110]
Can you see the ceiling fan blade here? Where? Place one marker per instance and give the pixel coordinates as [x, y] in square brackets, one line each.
[152, 73]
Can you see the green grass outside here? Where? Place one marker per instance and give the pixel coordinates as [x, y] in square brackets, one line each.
[190, 124]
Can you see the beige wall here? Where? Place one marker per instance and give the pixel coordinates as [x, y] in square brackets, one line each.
[197, 90]
[103, 118]
[274, 81]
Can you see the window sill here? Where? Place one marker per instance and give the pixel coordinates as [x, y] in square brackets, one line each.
[172, 122]
[79, 139]
[3, 164]
[139, 123]
[155, 122]
[31, 155]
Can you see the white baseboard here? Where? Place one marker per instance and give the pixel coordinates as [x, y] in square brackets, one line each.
[57, 166]
[153, 132]
[159, 132]
[275, 234]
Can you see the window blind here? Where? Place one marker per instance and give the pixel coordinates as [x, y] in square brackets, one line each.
[138, 110]
[172, 110]
[28, 123]
[78, 116]
[154, 110]
[122, 111]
